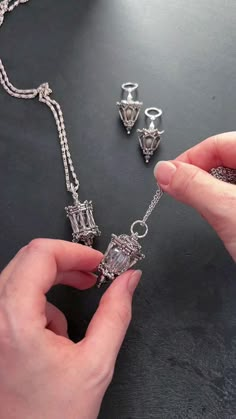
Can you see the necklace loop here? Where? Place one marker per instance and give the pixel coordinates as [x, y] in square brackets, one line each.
[129, 86]
[153, 113]
[142, 224]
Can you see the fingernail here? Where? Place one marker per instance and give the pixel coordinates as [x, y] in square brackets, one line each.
[133, 281]
[164, 171]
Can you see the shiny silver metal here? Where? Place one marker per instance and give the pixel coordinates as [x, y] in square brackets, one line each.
[153, 113]
[141, 224]
[225, 174]
[124, 251]
[129, 108]
[155, 200]
[150, 138]
[80, 214]
[82, 222]
[8, 6]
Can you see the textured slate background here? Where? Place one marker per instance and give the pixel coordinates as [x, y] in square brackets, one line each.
[178, 360]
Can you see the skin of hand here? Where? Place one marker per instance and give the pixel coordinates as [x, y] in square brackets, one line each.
[43, 374]
[187, 179]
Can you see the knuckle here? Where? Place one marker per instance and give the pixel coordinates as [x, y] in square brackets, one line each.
[191, 180]
[121, 311]
[100, 371]
[123, 314]
[36, 245]
[229, 197]
[227, 205]
[22, 250]
[216, 141]
[4, 327]
[183, 182]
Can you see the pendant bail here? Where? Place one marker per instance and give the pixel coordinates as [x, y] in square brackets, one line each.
[142, 224]
[73, 190]
[129, 87]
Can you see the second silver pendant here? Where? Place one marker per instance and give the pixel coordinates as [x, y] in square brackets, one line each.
[150, 137]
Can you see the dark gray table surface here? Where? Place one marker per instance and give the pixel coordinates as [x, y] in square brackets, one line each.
[179, 357]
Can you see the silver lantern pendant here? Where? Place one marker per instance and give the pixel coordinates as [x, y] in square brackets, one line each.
[123, 252]
[129, 108]
[149, 138]
[82, 221]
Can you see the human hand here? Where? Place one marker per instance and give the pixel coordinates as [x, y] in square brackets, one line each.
[44, 375]
[187, 179]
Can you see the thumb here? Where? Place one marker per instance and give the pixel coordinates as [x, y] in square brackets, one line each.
[108, 326]
[214, 199]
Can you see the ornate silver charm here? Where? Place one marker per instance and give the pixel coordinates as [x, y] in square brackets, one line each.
[122, 253]
[129, 109]
[149, 138]
[81, 213]
[225, 174]
[82, 222]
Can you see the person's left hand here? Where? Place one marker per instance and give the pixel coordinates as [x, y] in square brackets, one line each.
[43, 374]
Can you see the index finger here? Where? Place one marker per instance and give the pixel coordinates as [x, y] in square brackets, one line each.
[219, 150]
[35, 271]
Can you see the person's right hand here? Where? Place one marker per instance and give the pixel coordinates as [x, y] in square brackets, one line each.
[187, 179]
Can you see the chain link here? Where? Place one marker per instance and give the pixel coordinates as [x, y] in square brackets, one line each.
[225, 174]
[43, 92]
[153, 204]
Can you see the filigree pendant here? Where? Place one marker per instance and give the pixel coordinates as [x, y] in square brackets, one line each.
[149, 138]
[82, 222]
[123, 252]
[129, 109]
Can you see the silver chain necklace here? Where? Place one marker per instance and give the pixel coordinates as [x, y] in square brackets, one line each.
[80, 214]
[124, 250]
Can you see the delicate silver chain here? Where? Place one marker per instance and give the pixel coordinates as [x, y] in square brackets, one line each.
[143, 223]
[8, 6]
[153, 204]
[225, 174]
[43, 92]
